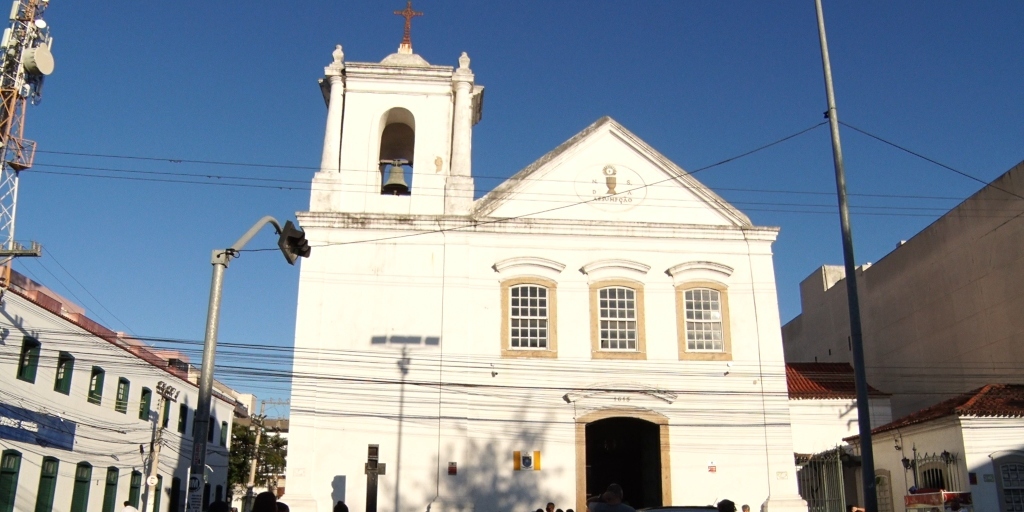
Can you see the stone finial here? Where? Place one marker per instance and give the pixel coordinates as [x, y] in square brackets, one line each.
[338, 54]
[464, 61]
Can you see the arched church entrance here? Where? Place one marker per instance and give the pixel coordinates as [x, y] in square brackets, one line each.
[626, 447]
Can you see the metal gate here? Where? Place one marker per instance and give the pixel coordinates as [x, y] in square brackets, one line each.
[820, 480]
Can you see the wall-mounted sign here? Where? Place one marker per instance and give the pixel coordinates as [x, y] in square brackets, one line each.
[453, 468]
[526, 461]
[27, 426]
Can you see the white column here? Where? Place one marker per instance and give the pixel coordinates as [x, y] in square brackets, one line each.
[330, 161]
[326, 183]
[462, 134]
[459, 189]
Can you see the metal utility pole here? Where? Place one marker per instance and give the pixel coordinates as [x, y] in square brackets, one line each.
[166, 392]
[856, 340]
[292, 242]
[26, 60]
[258, 423]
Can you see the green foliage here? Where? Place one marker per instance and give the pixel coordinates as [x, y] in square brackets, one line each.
[270, 458]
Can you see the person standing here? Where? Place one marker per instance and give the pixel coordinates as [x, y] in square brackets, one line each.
[340, 506]
[129, 508]
[745, 508]
[265, 502]
[611, 501]
[726, 506]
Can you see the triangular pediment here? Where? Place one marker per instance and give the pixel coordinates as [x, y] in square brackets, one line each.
[606, 173]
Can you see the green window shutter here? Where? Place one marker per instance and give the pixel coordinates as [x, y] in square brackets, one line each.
[223, 433]
[182, 418]
[144, 404]
[136, 487]
[209, 431]
[110, 491]
[158, 492]
[80, 494]
[28, 363]
[206, 496]
[167, 413]
[96, 385]
[123, 392]
[65, 369]
[47, 485]
[10, 464]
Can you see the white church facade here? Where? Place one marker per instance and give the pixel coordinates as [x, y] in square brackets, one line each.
[599, 317]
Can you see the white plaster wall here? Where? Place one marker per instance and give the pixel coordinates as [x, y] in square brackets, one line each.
[104, 437]
[985, 438]
[820, 424]
[444, 286]
[932, 437]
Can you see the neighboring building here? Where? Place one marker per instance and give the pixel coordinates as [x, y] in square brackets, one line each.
[941, 313]
[274, 428]
[599, 317]
[972, 443]
[79, 408]
[823, 410]
[823, 405]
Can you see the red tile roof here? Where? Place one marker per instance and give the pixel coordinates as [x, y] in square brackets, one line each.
[809, 381]
[993, 400]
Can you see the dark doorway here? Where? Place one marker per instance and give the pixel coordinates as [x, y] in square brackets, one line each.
[625, 451]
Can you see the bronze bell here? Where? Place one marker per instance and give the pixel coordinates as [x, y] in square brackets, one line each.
[395, 185]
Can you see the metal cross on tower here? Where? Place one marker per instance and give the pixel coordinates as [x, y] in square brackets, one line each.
[26, 60]
[408, 14]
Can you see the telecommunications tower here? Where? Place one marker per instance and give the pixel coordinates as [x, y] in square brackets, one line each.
[26, 60]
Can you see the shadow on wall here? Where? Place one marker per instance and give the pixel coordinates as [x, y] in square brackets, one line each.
[486, 479]
[338, 489]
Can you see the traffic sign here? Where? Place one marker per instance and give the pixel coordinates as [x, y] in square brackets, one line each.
[193, 483]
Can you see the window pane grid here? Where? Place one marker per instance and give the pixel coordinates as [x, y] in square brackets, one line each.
[617, 328]
[528, 317]
[703, 310]
[1013, 486]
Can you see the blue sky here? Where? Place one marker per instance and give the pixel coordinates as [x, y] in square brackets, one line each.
[700, 81]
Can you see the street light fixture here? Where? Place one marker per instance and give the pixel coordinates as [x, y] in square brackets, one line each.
[293, 245]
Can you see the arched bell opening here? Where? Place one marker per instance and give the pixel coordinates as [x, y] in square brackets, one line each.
[397, 152]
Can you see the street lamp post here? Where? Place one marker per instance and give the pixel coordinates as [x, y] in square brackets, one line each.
[293, 244]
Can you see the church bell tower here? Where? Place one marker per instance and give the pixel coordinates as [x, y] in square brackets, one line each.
[399, 135]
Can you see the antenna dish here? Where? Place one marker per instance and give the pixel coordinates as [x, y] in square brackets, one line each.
[40, 24]
[39, 60]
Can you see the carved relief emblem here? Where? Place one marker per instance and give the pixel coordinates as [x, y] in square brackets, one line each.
[610, 187]
[609, 179]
